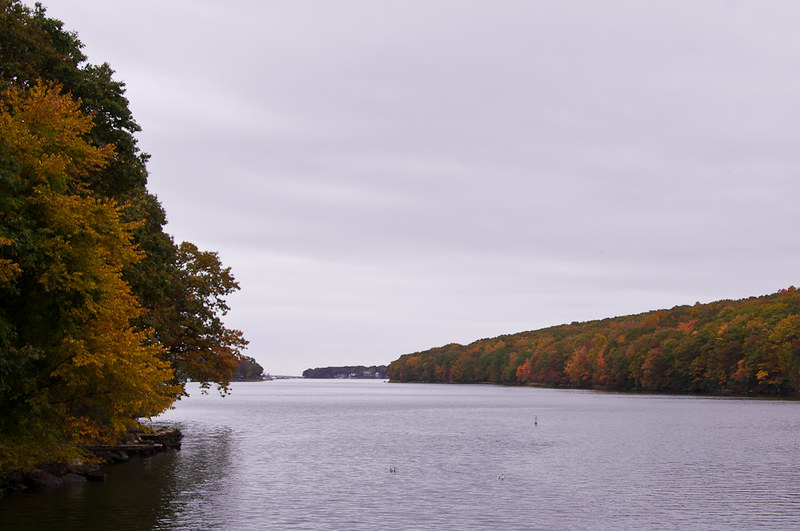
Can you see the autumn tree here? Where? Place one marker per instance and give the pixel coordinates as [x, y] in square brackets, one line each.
[73, 369]
[248, 369]
[746, 346]
[103, 317]
[197, 342]
[35, 47]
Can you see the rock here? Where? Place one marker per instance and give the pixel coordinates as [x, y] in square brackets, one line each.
[169, 437]
[13, 480]
[73, 479]
[109, 454]
[39, 479]
[91, 472]
[79, 471]
[119, 456]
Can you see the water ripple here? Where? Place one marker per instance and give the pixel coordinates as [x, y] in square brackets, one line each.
[317, 455]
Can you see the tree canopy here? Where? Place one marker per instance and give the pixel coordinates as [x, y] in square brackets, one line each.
[249, 370]
[73, 369]
[749, 346]
[103, 317]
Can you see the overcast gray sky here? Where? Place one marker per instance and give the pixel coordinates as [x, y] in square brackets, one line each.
[388, 176]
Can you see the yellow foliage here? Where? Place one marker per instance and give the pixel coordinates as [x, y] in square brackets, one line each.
[787, 329]
[94, 374]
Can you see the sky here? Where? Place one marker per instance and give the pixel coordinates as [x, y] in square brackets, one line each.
[386, 176]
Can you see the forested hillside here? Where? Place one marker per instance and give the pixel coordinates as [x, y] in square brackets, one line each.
[103, 317]
[737, 347]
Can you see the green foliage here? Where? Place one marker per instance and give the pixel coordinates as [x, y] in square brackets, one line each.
[248, 370]
[73, 371]
[738, 347]
[198, 344]
[34, 47]
[103, 317]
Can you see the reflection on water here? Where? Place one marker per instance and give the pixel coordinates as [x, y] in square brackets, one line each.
[129, 499]
[316, 455]
[199, 480]
[151, 492]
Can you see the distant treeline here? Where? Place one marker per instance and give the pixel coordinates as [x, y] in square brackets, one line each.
[749, 346]
[358, 371]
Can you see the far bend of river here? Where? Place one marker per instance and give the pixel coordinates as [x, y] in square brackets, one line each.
[316, 454]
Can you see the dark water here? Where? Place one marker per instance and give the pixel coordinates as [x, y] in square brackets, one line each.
[315, 454]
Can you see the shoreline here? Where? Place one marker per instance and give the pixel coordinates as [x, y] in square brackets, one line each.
[614, 390]
[54, 475]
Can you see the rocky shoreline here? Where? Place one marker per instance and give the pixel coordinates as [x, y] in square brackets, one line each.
[58, 475]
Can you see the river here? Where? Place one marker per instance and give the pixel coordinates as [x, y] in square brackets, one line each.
[318, 454]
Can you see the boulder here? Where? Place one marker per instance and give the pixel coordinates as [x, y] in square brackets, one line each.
[169, 437]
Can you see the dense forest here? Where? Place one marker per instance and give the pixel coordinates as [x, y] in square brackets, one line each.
[353, 371]
[749, 346]
[103, 316]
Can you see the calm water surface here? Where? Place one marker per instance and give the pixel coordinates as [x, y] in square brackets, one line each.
[315, 454]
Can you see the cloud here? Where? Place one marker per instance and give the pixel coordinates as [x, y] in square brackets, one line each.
[390, 176]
